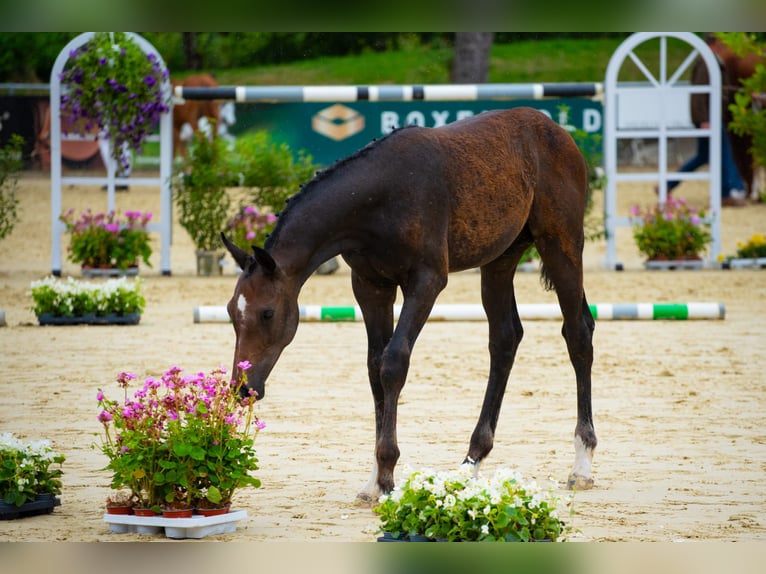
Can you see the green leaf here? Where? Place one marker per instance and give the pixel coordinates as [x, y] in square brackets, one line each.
[214, 495]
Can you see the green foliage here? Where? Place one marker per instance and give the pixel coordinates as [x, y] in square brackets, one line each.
[106, 240]
[10, 167]
[671, 231]
[199, 190]
[270, 169]
[72, 298]
[457, 506]
[28, 469]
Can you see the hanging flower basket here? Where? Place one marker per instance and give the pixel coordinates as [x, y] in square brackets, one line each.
[110, 83]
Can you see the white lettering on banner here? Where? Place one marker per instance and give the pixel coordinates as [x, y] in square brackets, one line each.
[591, 120]
[390, 120]
[564, 120]
[440, 118]
[415, 119]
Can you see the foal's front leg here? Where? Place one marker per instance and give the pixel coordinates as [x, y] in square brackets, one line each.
[419, 296]
[376, 304]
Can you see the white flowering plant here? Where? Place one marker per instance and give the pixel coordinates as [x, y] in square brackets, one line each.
[457, 506]
[28, 469]
[73, 298]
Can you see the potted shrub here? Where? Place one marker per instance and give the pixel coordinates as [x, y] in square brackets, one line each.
[199, 191]
[30, 476]
[456, 506]
[110, 83]
[180, 442]
[104, 244]
[71, 302]
[272, 173]
[671, 235]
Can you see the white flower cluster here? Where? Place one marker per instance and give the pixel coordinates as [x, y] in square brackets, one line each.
[459, 505]
[73, 297]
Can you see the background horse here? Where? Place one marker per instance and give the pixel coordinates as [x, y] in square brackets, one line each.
[404, 212]
[187, 115]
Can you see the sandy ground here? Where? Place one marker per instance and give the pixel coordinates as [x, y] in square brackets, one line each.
[678, 405]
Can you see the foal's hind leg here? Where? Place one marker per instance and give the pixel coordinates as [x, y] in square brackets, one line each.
[564, 271]
[505, 334]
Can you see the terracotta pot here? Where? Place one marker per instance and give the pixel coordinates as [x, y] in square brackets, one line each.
[213, 511]
[145, 512]
[116, 509]
[178, 513]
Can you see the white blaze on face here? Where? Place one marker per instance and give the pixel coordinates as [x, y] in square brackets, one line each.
[241, 304]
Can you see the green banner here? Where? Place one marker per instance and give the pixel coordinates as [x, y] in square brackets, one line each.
[332, 131]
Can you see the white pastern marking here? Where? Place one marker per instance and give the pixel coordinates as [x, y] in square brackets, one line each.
[583, 458]
[371, 488]
[241, 304]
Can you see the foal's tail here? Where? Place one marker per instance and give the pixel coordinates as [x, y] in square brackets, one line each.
[545, 278]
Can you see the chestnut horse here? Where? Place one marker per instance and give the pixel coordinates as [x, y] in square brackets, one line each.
[190, 112]
[405, 211]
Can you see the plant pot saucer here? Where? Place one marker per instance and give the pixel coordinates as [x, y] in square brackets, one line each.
[673, 264]
[195, 527]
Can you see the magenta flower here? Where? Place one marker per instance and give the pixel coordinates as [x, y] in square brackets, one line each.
[104, 417]
[244, 365]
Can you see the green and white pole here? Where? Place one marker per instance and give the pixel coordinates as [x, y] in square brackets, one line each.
[475, 312]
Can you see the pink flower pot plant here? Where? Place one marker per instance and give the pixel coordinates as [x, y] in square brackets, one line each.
[180, 441]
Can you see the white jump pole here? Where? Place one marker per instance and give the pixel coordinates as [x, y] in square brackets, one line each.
[474, 312]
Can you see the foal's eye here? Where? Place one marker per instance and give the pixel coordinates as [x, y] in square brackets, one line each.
[267, 314]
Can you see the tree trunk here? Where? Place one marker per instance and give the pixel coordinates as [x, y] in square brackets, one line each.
[192, 57]
[470, 64]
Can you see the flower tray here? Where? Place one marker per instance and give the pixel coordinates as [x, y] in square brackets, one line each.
[100, 272]
[43, 505]
[750, 263]
[674, 264]
[91, 319]
[195, 527]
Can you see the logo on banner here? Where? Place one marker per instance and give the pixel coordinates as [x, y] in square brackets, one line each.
[337, 122]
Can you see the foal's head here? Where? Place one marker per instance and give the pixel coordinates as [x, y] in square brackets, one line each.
[264, 312]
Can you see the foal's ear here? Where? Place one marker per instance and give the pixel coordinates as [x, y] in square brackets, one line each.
[240, 256]
[264, 260]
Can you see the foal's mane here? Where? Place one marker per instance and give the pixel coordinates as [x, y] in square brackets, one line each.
[321, 176]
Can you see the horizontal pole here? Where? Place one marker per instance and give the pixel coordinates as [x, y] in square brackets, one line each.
[434, 92]
[475, 312]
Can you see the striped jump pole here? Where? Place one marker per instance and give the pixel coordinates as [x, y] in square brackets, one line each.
[474, 312]
[433, 92]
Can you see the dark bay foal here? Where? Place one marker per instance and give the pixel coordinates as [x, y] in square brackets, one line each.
[404, 212]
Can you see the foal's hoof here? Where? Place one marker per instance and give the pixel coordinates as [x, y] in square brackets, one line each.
[579, 482]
